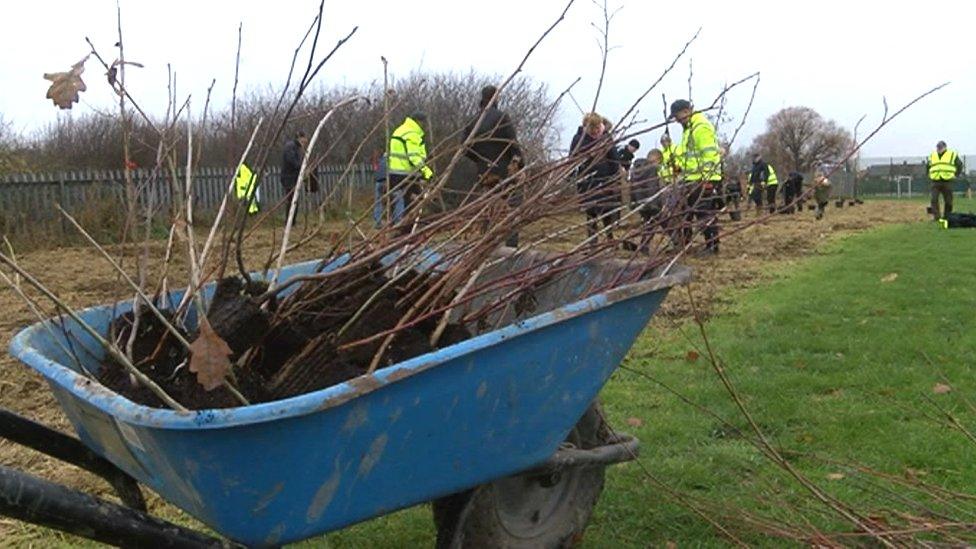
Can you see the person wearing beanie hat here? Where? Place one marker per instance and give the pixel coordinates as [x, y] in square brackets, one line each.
[698, 160]
[625, 155]
[291, 161]
[494, 144]
[494, 149]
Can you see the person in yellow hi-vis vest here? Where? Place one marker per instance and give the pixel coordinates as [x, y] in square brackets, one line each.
[407, 163]
[772, 185]
[698, 159]
[944, 166]
[245, 188]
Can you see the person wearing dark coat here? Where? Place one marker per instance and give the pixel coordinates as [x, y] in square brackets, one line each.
[757, 181]
[645, 185]
[495, 150]
[598, 174]
[625, 154]
[792, 190]
[495, 143]
[291, 162]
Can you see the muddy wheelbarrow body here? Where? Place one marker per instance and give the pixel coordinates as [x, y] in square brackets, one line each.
[496, 405]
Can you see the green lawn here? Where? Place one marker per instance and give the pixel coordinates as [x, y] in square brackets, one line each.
[831, 360]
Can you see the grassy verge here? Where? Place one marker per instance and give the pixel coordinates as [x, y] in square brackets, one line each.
[838, 359]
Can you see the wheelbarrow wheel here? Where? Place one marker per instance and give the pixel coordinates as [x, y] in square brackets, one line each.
[530, 510]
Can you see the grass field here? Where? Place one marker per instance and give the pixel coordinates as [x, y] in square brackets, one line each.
[838, 359]
[837, 354]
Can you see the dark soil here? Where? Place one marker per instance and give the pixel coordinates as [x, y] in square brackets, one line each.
[290, 349]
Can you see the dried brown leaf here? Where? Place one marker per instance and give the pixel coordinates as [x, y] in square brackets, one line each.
[65, 86]
[634, 421]
[210, 357]
[941, 389]
[890, 277]
[692, 356]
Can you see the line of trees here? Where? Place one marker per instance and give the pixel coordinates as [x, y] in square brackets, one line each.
[796, 138]
[354, 134]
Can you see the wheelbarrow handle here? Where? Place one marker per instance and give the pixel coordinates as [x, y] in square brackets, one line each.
[621, 448]
[69, 449]
[31, 499]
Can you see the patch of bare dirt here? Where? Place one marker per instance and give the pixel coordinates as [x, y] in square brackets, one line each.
[752, 257]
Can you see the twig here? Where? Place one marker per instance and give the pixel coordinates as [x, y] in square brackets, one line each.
[15, 285]
[768, 448]
[109, 348]
[289, 223]
[139, 294]
[237, 71]
[604, 49]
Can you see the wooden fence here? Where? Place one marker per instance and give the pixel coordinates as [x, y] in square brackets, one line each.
[28, 202]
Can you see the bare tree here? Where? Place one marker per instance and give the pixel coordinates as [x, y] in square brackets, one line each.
[736, 162]
[798, 138]
[9, 145]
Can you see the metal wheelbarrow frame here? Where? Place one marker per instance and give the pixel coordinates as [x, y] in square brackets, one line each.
[288, 470]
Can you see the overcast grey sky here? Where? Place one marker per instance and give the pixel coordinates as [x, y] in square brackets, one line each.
[839, 58]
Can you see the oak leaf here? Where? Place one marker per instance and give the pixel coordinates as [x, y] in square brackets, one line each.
[65, 86]
[210, 357]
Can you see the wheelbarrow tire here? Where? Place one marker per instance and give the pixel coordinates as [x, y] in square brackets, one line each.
[526, 511]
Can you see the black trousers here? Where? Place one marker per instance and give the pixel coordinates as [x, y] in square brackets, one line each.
[756, 195]
[821, 207]
[771, 197]
[595, 215]
[943, 188]
[798, 195]
[703, 207]
[733, 197]
[489, 182]
[789, 195]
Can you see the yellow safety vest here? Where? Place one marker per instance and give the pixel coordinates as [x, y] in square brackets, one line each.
[771, 180]
[942, 168]
[666, 170]
[245, 186]
[408, 153]
[698, 154]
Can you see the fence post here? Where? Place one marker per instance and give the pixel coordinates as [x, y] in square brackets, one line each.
[62, 199]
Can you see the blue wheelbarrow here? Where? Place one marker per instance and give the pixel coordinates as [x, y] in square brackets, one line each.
[501, 432]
